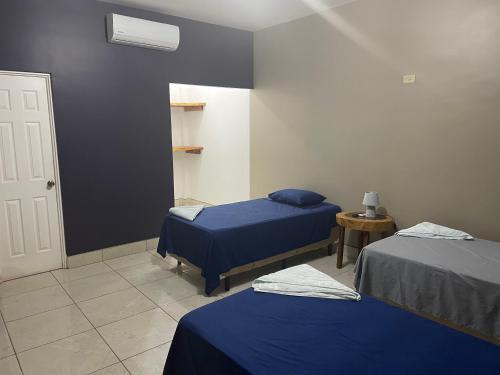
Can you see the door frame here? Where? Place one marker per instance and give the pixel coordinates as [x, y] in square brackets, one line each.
[48, 81]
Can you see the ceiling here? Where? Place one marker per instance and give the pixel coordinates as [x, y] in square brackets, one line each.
[242, 14]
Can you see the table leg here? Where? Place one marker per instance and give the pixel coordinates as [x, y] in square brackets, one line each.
[366, 239]
[361, 240]
[330, 250]
[340, 249]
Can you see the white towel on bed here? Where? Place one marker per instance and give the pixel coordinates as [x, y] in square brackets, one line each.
[430, 230]
[304, 281]
[187, 212]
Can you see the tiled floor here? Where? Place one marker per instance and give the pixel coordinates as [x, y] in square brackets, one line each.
[116, 317]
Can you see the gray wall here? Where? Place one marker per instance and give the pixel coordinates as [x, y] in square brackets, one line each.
[329, 111]
[111, 108]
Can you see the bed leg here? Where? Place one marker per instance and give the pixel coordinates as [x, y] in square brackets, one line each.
[227, 284]
[283, 264]
[330, 249]
[340, 247]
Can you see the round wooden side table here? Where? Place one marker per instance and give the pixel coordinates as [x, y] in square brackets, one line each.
[381, 224]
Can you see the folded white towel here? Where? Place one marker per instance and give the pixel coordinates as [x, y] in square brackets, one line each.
[187, 212]
[304, 281]
[430, 230]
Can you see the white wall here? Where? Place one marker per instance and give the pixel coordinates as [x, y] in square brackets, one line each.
[221, 173]
[330, 112]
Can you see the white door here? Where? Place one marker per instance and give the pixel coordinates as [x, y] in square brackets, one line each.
[30, 219]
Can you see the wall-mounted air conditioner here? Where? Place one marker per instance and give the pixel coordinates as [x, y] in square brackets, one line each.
[142, 33]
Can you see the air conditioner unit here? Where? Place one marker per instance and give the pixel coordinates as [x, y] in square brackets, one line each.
[142, 33]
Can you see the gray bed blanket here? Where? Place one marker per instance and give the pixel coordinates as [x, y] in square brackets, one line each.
[455, 280]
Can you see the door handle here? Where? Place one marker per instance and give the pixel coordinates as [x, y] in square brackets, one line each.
[50, 184]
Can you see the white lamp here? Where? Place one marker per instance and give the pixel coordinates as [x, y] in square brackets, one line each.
[371, 201]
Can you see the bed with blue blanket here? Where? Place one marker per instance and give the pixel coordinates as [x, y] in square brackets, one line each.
[262, 334]
[223, 238]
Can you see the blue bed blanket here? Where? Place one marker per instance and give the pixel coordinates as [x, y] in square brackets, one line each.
[231, 235]
[262, 334]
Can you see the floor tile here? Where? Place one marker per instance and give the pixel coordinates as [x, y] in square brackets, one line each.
[139, 333]
[147, 272]
[170, 261]
[123, 250]
[26, 284]
[95, 286]
[328, 265]
[130, 260]
[178, 309]
[170, 290]
[311, 256]
[155, 253]
[9, 366]
[47, 327]
[150, 362]
[346, 278]
[5, 345]
[116, 369]
[35, 302]
[115, 306]
[72, 274]
[75, 355]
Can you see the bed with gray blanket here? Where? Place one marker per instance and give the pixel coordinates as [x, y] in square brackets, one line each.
[455, 280]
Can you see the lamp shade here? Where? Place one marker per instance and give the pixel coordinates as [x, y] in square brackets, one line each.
[371, 199]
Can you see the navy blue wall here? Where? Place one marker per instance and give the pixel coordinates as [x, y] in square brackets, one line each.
[111, 108]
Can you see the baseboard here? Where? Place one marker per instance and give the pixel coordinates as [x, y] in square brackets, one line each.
[152, 243]
[97, 256]
[83, 259]
[190, 202]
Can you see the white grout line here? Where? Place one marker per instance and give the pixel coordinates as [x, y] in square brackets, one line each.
[11, 344]
[40, 312]
[130, 265]
[53, 341]
[50, 342]
[114, 364]
[102, 295]
[102, 337]
[120, 319]
[2, 321]
[93, 327]
[145, 351]
[84, 277]
[152, 281]
[175, 319]
[31, 291]
[26, 277]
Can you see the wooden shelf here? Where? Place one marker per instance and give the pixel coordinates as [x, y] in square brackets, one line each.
[188, 149]
[189, 107]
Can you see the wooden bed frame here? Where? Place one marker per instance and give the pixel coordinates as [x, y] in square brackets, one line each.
[328, 243]
[468, 331]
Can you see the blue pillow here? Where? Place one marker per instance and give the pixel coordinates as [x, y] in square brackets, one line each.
[296, 197]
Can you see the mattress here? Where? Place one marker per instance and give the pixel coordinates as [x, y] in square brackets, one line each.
[452, 279]
[262, 334]
[227, 236]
